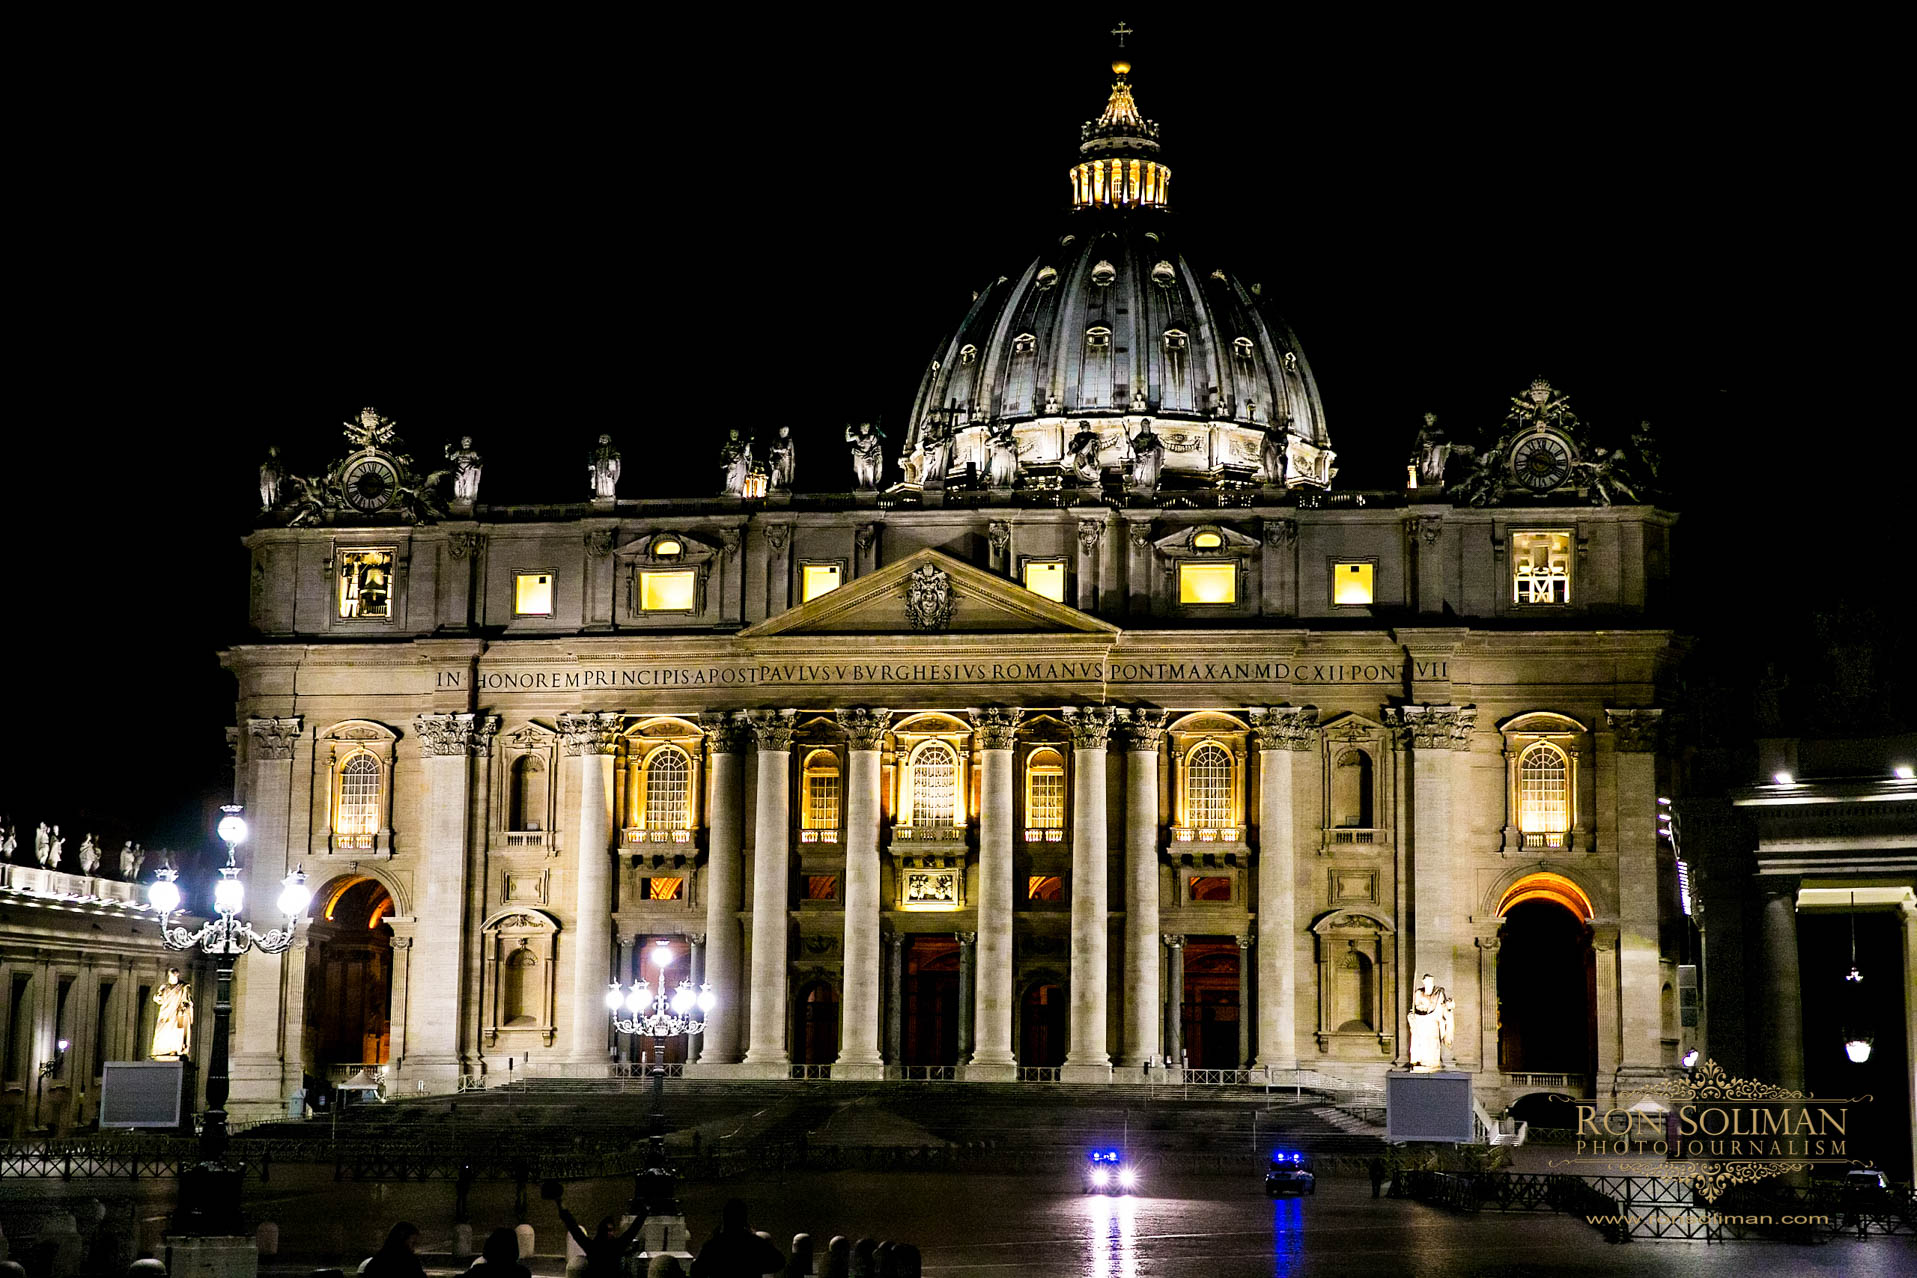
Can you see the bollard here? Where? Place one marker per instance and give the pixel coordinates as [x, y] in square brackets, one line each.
[462, 1240]
[838, 1257]
[888, 1260]
[800, 1263]
[665, 1267]
[14, 1269]
[863, 1264]
[909, 1261]
[525, 1236]
[267, 1238]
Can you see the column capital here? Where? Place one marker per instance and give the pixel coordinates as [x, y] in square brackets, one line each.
[697, 938]
[1090, 533]
[446, 735]
[864, 726]
[1489, 944]
[1634, 731]
[893, 940]
[594, 732]
[273, 738]
[1142, 728]
[1174, 940]
[1432, 727]
[997, 726]
[1090, 726]
[1244, 943]
[772, 730]
[1285, 727]
[1604, 936]
[966, 938]
[721, 732]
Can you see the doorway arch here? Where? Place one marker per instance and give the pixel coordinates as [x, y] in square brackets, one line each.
[1041, 1023]
[349, 974]
[1547, 978]
[817, 1039]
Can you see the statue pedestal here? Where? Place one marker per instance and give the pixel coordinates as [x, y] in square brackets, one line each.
[1430, 1105]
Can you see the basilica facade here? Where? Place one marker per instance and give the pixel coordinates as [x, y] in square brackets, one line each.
[1112, 738]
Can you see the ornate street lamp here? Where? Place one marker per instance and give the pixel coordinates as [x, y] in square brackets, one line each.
[1857, 1044]
[659, 1016]
[210, 1191]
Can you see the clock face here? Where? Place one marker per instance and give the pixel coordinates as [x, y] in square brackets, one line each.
[370, 484]
[1541, 462]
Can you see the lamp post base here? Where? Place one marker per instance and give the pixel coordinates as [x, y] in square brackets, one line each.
[212, 1257]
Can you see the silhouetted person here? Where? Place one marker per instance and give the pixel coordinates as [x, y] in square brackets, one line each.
[499, 1258]
[398, 1256]
[735, 1251]
[1377, 1169]
[605, 1250]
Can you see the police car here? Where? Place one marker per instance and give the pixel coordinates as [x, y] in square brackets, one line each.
[1107, 1173]
[1289, 1174]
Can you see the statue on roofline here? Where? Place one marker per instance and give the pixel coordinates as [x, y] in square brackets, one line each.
[783, 456]
[467, 464]
[868, 455]
[602, 470]
[735, 463]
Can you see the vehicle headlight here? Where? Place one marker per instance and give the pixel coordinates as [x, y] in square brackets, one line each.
[1100, 1176]
[1128, 1178]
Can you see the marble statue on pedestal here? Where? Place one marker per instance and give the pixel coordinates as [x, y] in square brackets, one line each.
[1430, 455]
[1002, 466]
[89, 855]
[1431, 1020]
[935, 452]
[173, 1026]
[466, 467]
[1084, 454]
[11, 843]
[1148, 459]
[602, 466]
[127, 870]
[782, 454]
[868, 455]
[1277, 453]
[270, 477]
[59, 849]
[735, 463]
[42, 842]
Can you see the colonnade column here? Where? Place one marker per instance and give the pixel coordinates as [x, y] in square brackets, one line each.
[1782, 1000]
[447, 746]
[1488, 1002]
[1087, 1057]
[968, 969]
[1244, 1003]
[592, 739]
[260, 1077]
[1284, 734]
[696, 973]
[895, 1003]
[1175, 999]
[1144, 729]
[1438, 737]
[992, 1014]
[859, 1000]
[772, 730]
[1632, 760]
[725, 879]
[1604, 954]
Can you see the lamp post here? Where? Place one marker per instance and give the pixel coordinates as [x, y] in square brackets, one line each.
[648, 1009]
[48, 1068]
[209, 1203]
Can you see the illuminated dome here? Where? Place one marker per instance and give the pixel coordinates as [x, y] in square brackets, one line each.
[1112, 323]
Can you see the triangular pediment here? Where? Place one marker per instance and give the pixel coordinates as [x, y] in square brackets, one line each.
[912, 597]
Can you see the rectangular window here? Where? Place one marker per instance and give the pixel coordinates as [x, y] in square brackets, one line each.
[100, 1024]
[821, 887]
[1044, 887]
[1207, 583]
[1351, 582]
[1541, 567]
[1045, 797]
[1208, 887]
[366, 584]
[668, 591]
[665, 889]
[532, 594]
[816, 580]
[1046, 577]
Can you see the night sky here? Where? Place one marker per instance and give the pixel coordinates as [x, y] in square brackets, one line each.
[664, 230]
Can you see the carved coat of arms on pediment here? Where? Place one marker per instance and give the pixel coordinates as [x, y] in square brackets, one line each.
[928, 598]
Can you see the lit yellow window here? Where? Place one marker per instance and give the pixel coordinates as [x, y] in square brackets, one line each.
[1208, 583]
[1351, 583]
[532, 594]
[1046, 577]
[366, 584]
[667, 591]
[816, 580]
[666, 548]
[665, 889]
[1541, 567]
[1544, 796]
[1207, 541]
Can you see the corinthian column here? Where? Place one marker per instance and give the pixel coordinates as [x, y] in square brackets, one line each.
[859, 1022]
[448, 743]
[1143, 731]
[1087, 1058]
[265, 785]
[992, 1015]
[1439, 738]
[1284, 734]
[1632, 763]
[772, 730]
[592, 739]
[725, 879]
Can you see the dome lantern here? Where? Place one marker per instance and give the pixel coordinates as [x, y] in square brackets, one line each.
[1118, 153]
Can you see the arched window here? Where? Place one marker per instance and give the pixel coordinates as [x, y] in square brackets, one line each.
[819, 804]
[528, 800]
[668, 790]
[519, 993]
[356, 811]
[1544, 795]
[1351, 792]
[1208, 787]
[934, 779]
[1024, 344]
[1241, 350]
[1045, 794]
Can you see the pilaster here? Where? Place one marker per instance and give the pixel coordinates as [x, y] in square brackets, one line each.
[725, 884]
[1143, 733]
[859, 1020]
[261, 1069]
[772, 732]
[1632, 760]
[1285, 734]
[992, 1058]
[591, 739]
[1088, 1058]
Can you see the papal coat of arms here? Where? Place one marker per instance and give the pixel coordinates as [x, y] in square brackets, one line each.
[929, 598]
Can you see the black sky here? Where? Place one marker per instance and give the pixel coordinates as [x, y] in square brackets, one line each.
[663, 227]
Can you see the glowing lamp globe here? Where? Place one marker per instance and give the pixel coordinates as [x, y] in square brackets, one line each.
[636, 1001]
[229, 895]
[682, 1002]
[1858, 1049]
[662, 956]
[165, 894]
[232, 828]
[63, 1045]
[614, 998]
[708, 1000]
[295, 895]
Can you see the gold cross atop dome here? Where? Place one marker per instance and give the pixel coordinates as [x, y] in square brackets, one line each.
[1121, 31]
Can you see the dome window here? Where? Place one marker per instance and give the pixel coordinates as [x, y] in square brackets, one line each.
[1048, 276]
[1176, 340]
[1241, 349]
[1103, 274]
[1163, 275]
[1024, 344]
[967, 353]
[1098, 339]
[1067, 241]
